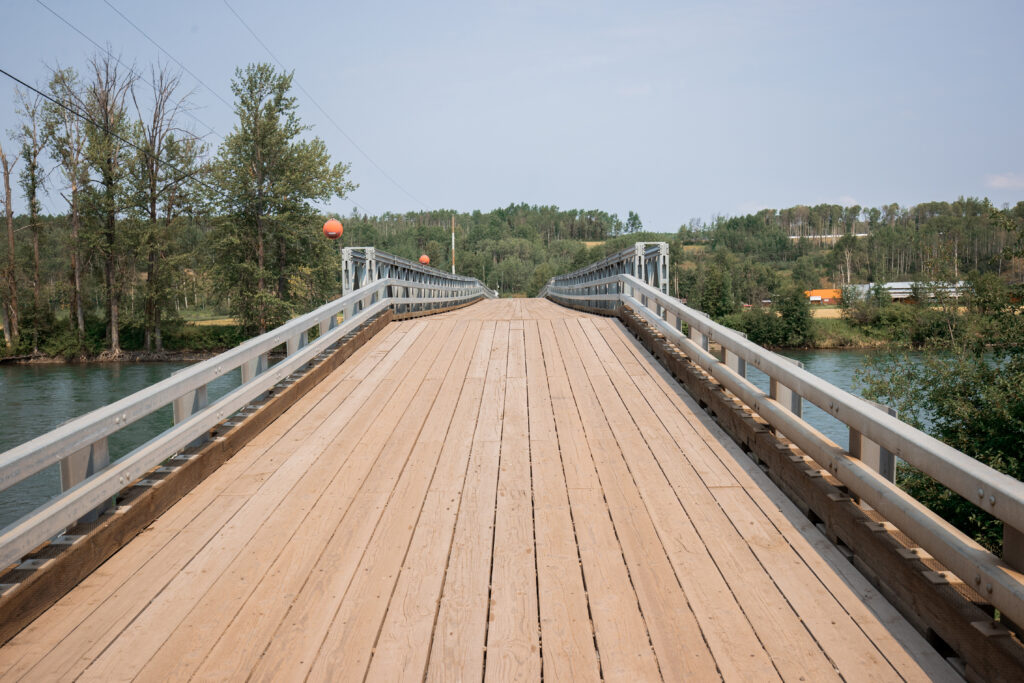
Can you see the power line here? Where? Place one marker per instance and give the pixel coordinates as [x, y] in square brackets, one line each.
[93, 122]
[324, 111]
[169, 55]
[85, 117]
[118, 59]
[217, 95]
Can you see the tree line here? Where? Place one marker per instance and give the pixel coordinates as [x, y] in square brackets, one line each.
[157, 220]
[153, 213]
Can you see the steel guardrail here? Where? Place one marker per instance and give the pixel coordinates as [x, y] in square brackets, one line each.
[990, 490]
[78, 437]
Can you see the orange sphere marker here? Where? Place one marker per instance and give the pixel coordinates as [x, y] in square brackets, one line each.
[425, 260]
[333, 229]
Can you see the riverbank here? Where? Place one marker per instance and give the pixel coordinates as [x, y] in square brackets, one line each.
[105, 357]
[182, 342]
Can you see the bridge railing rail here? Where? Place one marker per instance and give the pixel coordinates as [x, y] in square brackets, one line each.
[80, 446]
[999, 581]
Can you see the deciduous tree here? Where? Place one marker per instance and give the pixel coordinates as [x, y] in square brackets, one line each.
[270, 176]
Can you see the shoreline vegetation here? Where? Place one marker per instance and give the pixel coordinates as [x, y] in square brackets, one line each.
[829, 330]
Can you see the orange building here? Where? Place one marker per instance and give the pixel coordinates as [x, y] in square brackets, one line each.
[824, 296]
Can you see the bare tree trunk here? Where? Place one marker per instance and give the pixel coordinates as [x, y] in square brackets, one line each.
[282, 279]
[12, 273]
[6, 324]
[113, 295]
[76, 266]
[36, 285]
[260, 282]
[105, 99]
[149, 312]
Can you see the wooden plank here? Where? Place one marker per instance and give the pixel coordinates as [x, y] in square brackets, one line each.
[317, 493]
[403, 646]
[888, 631]
[131, 601]
[47, 585]
[56, 623]
[725, 605]
[513, 649]
[79, 620]
[457, 651]
[320, 558]
[620, 632]
[677, 639]
[349, 644]
[567, 633]
[941, 607]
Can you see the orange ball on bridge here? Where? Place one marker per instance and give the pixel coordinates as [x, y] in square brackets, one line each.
[425, 260]
[333, 229]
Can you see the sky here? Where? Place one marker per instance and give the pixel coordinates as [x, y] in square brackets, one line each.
[675, 110]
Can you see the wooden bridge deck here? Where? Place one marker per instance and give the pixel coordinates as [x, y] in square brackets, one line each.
[504, 490]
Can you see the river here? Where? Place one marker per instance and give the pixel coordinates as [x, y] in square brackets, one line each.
[37, 398]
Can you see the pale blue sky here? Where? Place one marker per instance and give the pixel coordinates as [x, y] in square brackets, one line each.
[672, 109]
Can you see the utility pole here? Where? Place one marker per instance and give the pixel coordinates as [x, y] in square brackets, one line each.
[453, 244]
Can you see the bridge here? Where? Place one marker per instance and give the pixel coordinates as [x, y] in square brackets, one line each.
[434, 483]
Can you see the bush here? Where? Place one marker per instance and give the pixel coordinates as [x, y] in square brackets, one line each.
[204, 338]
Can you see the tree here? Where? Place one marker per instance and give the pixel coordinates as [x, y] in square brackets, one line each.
[846, 258]
[10, 273]
[162, 170]
[107, 153]
[64, 134]
[269, 177]
[966, 392]
[796, 326]
[633, 223]
[805, 273]
[716, 296]
[32, 180]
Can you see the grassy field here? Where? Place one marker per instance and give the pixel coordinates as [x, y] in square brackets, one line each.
[223, 320]
[826, 312]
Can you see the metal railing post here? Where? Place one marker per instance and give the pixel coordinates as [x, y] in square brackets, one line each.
[255, 366]
[736, 363]
[189, 403]
[698, 337]
[296, 342]
[872, 454]
[82, 464]
[789, 399]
